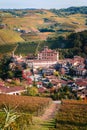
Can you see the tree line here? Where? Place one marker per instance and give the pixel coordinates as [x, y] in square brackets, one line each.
[74, 44]
[70, 11]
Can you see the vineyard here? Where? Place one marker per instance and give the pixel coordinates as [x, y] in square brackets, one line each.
[26, 48]
[23, 48]
[35, 25]
[7, 48]
[72, 116]
[8, 36]
[17, 112]
[33, 105]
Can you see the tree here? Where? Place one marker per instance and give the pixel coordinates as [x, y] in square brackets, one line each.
[56, 73]
[64, 93]
[10, 74]
[0, 19]
[32, 91]
[4, 67]
[18, 72]
[50, 85]
[6, 71]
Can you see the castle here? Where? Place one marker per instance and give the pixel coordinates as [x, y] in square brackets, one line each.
[46, 58]
[48, 54]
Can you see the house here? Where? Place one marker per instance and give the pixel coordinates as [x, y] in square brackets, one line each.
[2, 83]
[39, 84]
[81, 72]
[78, 59]
[82, 93]
[42, 90]
[12, 90]
[47, 71]
[43, 63]
[81, 83]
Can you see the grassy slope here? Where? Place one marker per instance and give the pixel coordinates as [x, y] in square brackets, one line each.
[8, 36]
[42, 125]
[34, 20]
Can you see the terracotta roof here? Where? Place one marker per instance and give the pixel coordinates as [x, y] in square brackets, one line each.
[1, 83]
[11, 89]
[40, 83]
[42, 90]
[63, 82]
[81, 82]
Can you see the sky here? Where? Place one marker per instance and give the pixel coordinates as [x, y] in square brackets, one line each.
[45, 4]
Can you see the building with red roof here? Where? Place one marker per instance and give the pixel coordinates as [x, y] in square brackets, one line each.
[48, 54]
[12, 90]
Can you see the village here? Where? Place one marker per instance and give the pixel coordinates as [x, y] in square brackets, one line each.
[47, 75]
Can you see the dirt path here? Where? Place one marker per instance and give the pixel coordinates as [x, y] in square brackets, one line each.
[51, 111]
[46, 121]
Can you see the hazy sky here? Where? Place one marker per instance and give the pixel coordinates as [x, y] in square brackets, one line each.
[46, 4]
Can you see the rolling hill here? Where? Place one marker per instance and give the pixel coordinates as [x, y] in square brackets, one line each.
[38, 25]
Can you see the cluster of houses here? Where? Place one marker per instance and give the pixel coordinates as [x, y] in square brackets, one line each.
[77, 66]
[25, 31]
[49, 73]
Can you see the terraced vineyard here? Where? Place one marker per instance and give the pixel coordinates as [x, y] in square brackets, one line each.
[25, 104]
[72, 116]
[9, 36]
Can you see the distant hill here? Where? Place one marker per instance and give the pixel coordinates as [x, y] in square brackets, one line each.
[71, 10]
[39, 24]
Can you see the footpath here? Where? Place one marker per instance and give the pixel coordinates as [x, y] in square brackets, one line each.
[46, 121]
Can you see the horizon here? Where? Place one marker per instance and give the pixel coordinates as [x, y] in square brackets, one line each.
[38, 4]
[41, 8]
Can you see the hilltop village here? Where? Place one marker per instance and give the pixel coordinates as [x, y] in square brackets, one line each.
[46, 75]
[43, 67]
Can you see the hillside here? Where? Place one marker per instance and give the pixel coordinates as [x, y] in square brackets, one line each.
[69, 46]
[8, 36]
[37, 25]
